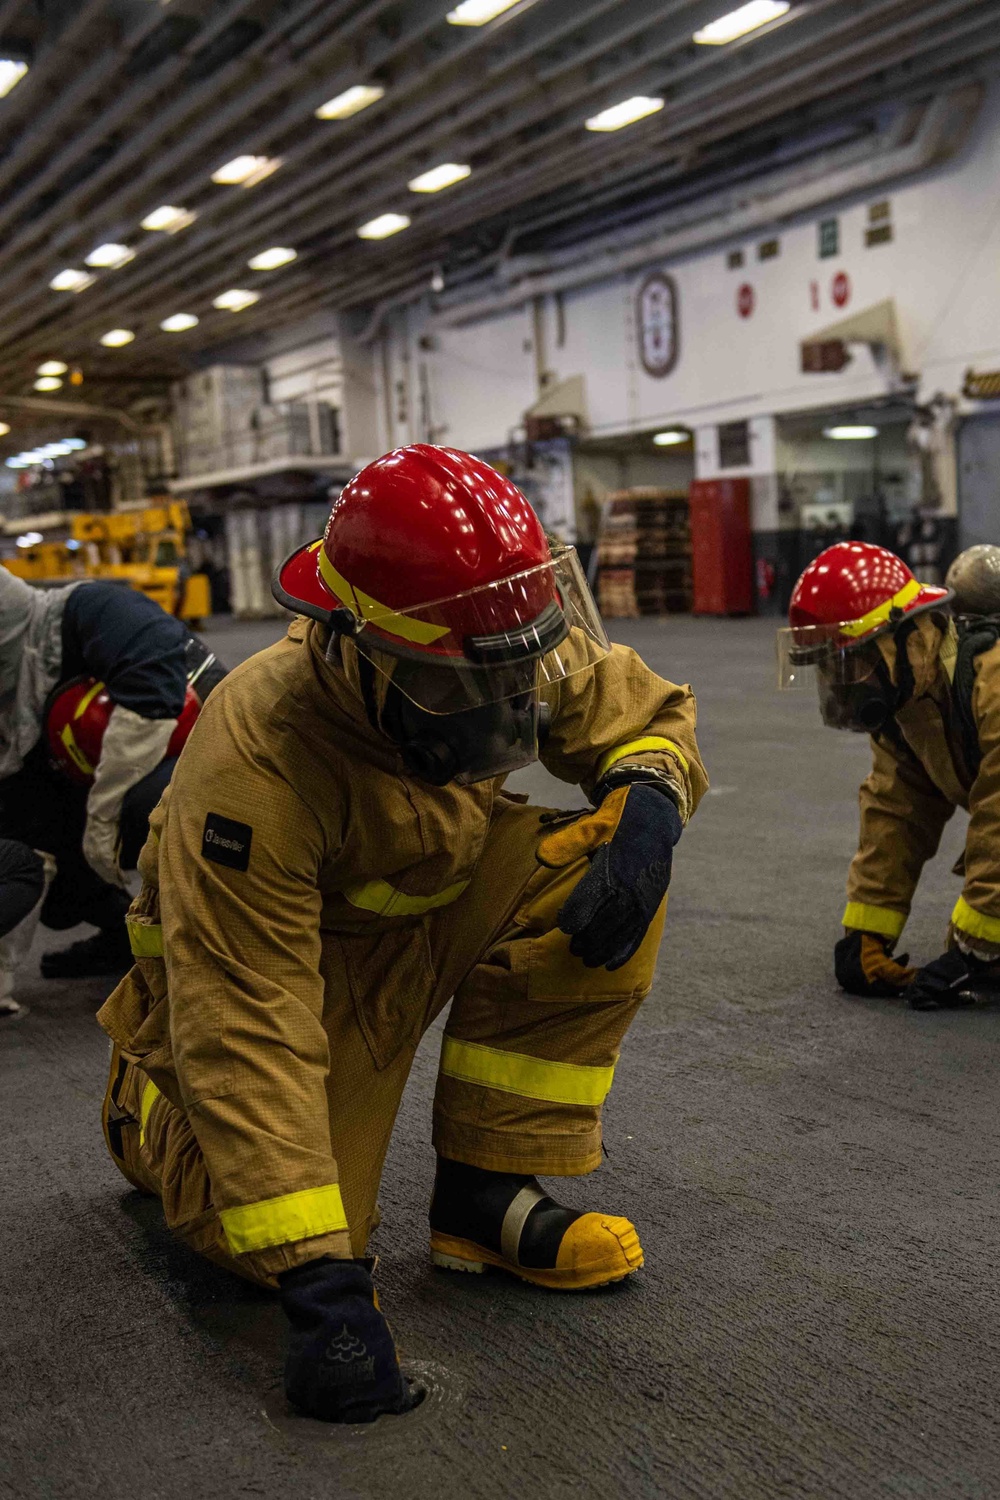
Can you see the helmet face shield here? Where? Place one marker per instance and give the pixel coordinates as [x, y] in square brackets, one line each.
[824, 655]
[518, 635]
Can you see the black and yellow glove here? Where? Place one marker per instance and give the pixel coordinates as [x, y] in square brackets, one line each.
[630, 843]
[953, 981]
[864, 965]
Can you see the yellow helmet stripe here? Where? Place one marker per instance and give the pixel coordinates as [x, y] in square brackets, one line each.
[881, 612]
[419, 632]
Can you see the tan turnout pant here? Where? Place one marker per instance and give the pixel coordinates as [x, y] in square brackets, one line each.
[527, 1058]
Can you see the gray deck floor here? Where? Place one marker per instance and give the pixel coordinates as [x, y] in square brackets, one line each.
[813, 1178]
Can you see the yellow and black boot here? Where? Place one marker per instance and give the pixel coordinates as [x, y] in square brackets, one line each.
[505, 1220]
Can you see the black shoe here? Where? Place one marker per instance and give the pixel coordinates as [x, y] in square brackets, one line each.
[505, 1220]
[106, 953]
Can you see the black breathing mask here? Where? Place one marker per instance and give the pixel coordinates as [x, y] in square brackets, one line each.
[867, 706]
[473, 745]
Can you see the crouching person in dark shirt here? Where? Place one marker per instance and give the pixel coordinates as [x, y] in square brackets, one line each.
[98, 689]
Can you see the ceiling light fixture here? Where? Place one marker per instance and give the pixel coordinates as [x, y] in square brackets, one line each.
[11, 73]
[350, 102]
[625, 113]
[850, 433]
[71, 281]
[168, 219]
[76, 444]
[270, 260]
[4, 428]
[117, 338]
[235, 300]
[478, 12]
[671, 437]
[179, 323]
[110, 257]
[29, 538]
[52, 367]
[245, 171]
[436, 178]
[48, 383]
[57, 450]
[740, 22]
[383, 226]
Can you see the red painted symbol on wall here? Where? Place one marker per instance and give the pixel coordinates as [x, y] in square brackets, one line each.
[745, 300]
[841, 289]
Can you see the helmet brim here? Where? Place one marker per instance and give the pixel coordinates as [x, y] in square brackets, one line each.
[297, 585]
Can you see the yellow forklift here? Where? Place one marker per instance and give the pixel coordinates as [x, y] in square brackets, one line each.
[144, 548]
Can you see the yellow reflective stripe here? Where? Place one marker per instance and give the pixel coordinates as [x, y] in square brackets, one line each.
[145, 938]
[150, 1094]
[531, 1077]
[420, 632]
[87, 700]
[637, 747]
[381, 897]
[881, 612]
[280, 1221]
[874, 919]
[975, 923]
[74, 751]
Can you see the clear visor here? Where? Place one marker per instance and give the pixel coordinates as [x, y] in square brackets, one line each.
[810, 652]
[563, 635]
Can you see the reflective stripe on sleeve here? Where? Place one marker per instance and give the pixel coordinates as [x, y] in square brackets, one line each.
[874, 919]
[145, 938]
[281, 1221]
[379, 896]
[531, 1077]
[150, 1094]
[975, 923]
[637, 747]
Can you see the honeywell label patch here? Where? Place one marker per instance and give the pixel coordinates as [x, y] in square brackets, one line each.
[226, 842]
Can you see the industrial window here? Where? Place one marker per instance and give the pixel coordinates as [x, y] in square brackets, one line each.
[734, 445]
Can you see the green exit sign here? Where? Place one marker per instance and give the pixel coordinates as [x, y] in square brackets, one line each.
[829, 238]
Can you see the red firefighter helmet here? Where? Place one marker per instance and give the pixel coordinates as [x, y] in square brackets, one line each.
[431, 556]
[847, 597]
[76, 717]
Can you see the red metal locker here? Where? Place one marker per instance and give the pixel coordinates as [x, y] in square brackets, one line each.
[721, 546]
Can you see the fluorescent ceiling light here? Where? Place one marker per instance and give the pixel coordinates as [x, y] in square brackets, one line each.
[846, 434]
[625, 113]
[76, 444]
[48, 383]
[15, 463]
[245, 171]
[350, 102]
[71, 281]
[110, 256]
[440, 177]
[169, 219]
[117, 338]
[179, 323]
[738, 22]
[236, 300]
[29, 539]
[11, 72]
[57, 450]
[4, 428]
[670, 438]
[270, 260]
[478, 12]
[383, 226]
[52, 367]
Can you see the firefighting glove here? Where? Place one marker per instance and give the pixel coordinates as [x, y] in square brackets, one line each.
[952, 981]
[864, 965]
[630, 842]
[342, 1364]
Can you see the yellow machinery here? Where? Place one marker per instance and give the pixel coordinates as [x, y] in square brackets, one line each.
[143, 548]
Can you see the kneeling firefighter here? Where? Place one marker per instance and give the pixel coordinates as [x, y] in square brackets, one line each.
[893, 661]
[336, 859]
[94, 703]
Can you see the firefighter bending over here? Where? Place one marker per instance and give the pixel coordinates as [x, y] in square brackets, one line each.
[893, 661]
[336, 859]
